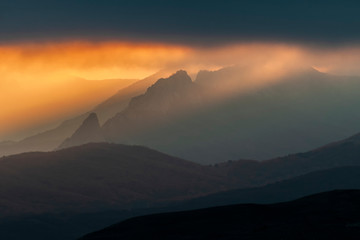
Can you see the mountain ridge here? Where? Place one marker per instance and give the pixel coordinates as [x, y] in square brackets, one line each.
[89, 131]
[329, 215]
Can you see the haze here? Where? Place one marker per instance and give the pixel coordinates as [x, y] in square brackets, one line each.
[46, 81]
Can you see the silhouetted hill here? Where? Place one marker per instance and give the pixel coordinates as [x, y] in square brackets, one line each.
[88, 132]
[98, 176]
[329, 215]
[286, 190]
[337, 154]
[61, 226]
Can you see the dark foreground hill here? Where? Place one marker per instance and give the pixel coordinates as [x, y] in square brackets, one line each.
[282, 191]
[63, 226]
[98, 176]
[329, 215]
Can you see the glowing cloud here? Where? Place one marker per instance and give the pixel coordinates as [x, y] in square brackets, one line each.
[44, 82]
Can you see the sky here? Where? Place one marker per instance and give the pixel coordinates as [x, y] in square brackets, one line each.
[192, 22]
[44, 45]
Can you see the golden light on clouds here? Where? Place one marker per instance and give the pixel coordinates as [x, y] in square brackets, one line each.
[49, 62]
[44, 82]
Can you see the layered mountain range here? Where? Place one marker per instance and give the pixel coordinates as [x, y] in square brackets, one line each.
[186, 118]
[217, 117]
[112, 176]
[45, 193]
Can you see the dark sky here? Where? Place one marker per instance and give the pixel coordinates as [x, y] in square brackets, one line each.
[198, 22]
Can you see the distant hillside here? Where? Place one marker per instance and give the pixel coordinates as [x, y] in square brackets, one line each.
[285, 190]
[118, 176]
[329, 215]
[47, 193]
[98, 176]
[246, 172]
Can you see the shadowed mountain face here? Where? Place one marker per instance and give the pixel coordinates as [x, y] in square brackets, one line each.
[305, 110]
[88, 132]
[330, 215]
[163, 102]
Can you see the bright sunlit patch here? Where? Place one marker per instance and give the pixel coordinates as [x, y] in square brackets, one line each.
[49, 62]
[321, 69]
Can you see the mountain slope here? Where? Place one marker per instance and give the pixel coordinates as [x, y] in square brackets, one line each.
[329, 215]
[303, 110]
[285, 190]
[163, 102]
[98, 176]
[246, 173]
[51, 139]
[48, 192]
[88, 132]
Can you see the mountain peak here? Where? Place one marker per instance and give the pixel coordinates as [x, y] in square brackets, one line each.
[92, 119]
[89, 131]
[164, 91]
[175, 81]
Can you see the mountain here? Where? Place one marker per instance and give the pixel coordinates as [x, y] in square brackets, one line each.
[241, 173]
[88, 132]
[51, 139]
[44, 141]
[329, 215]
[119, 101]
[98, 176]
[254, 173]
[299, 112]
[285, 190]
[163, 102]
[72, 225]
[118, 176]
[205, 123]
[48, 194]
[48, 103]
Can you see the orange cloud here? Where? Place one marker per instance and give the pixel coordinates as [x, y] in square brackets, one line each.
[41, 83]
[86, 60]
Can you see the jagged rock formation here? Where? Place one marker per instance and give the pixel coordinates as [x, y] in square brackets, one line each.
[162, 102]
[88, 132]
